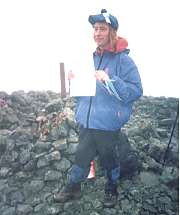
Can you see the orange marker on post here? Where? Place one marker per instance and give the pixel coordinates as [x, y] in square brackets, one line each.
[92, 171]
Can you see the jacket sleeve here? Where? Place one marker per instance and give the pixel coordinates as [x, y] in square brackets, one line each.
[127, 81]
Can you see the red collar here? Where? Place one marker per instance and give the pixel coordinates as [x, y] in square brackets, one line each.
[121, 45]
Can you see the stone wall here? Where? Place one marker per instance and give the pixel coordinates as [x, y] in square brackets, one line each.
[38, 139]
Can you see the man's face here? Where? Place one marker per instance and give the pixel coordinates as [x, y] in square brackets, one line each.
[101, 34]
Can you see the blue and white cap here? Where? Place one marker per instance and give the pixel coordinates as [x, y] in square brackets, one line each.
[104, 16]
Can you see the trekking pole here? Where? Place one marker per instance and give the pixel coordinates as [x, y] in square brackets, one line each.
[170, 139]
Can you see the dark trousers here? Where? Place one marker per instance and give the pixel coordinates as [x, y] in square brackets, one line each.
[94, 143]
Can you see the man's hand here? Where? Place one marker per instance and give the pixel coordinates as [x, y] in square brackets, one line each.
[101, 75]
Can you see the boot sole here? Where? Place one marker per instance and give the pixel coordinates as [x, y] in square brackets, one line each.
[109, 205]
[66, 198]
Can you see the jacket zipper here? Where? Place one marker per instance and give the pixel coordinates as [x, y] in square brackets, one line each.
[88, 115]
[90, 100]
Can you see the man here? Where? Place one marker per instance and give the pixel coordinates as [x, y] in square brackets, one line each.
[101, 117]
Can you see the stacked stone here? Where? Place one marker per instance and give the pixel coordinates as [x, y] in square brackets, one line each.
[38, 139]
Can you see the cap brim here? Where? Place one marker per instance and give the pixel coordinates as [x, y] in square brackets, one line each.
[96, 18]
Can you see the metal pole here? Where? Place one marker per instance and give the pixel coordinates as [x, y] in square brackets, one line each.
[62, 78]
[172, 132]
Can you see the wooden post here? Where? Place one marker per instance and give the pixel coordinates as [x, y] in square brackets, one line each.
[63, 82]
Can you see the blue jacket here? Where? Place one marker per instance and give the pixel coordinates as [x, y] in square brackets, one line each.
[105, 111]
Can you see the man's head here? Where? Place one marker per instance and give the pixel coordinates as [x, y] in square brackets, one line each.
[104, 17]
[105, 27]
[101, 34]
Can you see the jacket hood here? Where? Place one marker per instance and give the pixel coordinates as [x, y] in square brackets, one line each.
[121, 45]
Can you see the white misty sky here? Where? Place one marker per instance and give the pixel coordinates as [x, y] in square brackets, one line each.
[36, 35]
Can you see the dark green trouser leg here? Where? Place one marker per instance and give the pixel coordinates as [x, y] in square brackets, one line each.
[86, 151]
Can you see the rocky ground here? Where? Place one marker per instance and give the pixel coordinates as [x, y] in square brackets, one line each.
[38, 139]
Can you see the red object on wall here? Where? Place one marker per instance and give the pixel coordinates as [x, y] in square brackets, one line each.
[92, 171]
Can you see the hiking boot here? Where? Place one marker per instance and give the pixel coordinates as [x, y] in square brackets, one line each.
[110, 200]
[111, 195]
[70, 192]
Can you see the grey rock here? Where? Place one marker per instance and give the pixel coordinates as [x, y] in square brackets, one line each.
[4, 172]
[16, 197]
[40, 146]
[97, 204]
[166, 122]
[8, 118]
[111, 211]
[22, 176]
[3, 144]
[42, 162]
[170, 176]
[94, 213]
[73, 137]
[23, 209]
[24, 156]
[156, 150]
[52, 176]
[40, 208]
[63, 165]
[53, 156]
[54, 209]
[63, 129]
[32, 188]
[20, 98]
[3, 184]
[70, 117]
[150, 208]
[9, 211]
[149, 179]
[72, 207]
[54, 106]
[36, 185]
[59, 132]
[30, 165]
[60, 144]
[125, 205]
[162, 132]
[72, 148]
